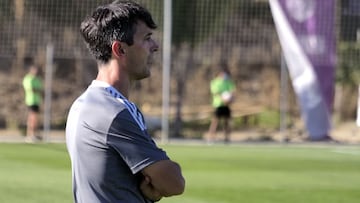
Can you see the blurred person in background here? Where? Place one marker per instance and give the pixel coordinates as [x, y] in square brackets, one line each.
[222, 89]
[113, 157]
[33, 88]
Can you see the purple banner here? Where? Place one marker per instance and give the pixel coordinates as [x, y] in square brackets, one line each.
[307, 36]
[313, 24]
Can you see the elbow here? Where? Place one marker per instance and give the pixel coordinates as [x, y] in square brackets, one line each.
[180, 187]
[177, 188]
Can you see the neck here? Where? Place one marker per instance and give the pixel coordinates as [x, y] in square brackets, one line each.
[112, 74]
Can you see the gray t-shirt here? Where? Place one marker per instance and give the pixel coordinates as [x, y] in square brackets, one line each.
[108, 146]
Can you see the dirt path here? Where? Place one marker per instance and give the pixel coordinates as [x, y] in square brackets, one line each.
[346, 133]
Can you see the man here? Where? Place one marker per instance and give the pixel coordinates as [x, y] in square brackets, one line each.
[222, 89]
[113, 158]
[33, 94]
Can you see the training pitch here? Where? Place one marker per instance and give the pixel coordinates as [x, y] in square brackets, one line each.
[260, 173]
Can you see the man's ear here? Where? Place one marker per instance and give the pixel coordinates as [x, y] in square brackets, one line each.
[117, 49]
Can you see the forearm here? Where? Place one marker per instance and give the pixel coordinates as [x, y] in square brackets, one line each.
[177, 182]
[166, 178]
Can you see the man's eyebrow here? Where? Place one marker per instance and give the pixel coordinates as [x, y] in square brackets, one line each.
[148, 34]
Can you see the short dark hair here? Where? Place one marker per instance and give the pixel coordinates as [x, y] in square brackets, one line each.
[110, 22]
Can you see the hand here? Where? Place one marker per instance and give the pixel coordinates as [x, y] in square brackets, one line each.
[148, 190]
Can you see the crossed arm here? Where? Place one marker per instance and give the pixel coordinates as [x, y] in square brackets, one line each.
[162, 179]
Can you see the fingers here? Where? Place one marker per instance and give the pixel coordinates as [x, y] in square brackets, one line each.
[148, 190]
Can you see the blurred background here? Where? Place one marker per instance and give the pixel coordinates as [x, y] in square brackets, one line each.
[205, 34]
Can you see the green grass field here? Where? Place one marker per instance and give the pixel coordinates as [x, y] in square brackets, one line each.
[222, 174]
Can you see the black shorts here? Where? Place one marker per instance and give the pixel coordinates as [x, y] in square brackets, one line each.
[34, 108]
[223, 112]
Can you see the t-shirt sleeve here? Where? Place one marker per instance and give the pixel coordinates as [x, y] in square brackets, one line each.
[213, 87]
[135, 146]
[232, 86]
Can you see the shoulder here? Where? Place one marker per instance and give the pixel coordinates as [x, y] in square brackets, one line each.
[27, 77]
[96, 102]
[215, 82]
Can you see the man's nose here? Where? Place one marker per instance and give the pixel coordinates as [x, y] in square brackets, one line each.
[155, 46]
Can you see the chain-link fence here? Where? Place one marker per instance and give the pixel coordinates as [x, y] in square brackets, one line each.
[204, 34]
